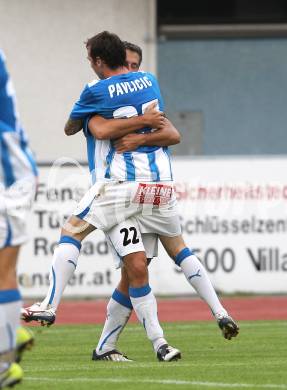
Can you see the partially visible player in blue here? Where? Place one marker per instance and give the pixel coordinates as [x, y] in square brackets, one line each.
[17, 185]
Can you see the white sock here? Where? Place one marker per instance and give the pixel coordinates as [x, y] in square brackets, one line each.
[64, 264]
[4, 336]
[10, 306]
[198, 278]
[119, 310]
[145, 306]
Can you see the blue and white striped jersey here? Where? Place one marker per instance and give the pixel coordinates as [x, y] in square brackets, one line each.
[16, 160]
[122, 96]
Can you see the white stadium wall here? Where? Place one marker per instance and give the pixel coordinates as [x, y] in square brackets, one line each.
[44, 44]
[233, 214]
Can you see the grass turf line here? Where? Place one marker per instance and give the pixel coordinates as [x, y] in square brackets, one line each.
[256, 359]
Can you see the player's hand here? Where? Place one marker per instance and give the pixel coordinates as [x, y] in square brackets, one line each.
[153, 117]
[129, 142]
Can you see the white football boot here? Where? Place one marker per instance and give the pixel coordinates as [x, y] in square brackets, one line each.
[46, 316]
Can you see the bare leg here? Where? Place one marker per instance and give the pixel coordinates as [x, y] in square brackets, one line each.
[8, 262]
[173, 245]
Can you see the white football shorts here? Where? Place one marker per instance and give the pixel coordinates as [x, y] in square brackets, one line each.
[126, 238]
[154, 205]
[15, 204]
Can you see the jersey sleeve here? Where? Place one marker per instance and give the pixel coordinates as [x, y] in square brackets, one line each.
[157, 88]
[4, 127]
[7, 114]
[3, 72]
[87, 104]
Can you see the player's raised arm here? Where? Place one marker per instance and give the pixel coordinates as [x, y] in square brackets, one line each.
[103, 128]
[165, 136]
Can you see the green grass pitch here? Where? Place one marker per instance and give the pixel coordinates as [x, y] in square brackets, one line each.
[256, 359]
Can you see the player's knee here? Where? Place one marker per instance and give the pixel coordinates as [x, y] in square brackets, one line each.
[136, 267]
[76, 228]
[138, 271]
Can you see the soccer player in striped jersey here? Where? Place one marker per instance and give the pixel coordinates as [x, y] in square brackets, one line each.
[17, 187]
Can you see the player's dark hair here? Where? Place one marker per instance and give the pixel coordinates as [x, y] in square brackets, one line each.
[135, 48]
[109, 48]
